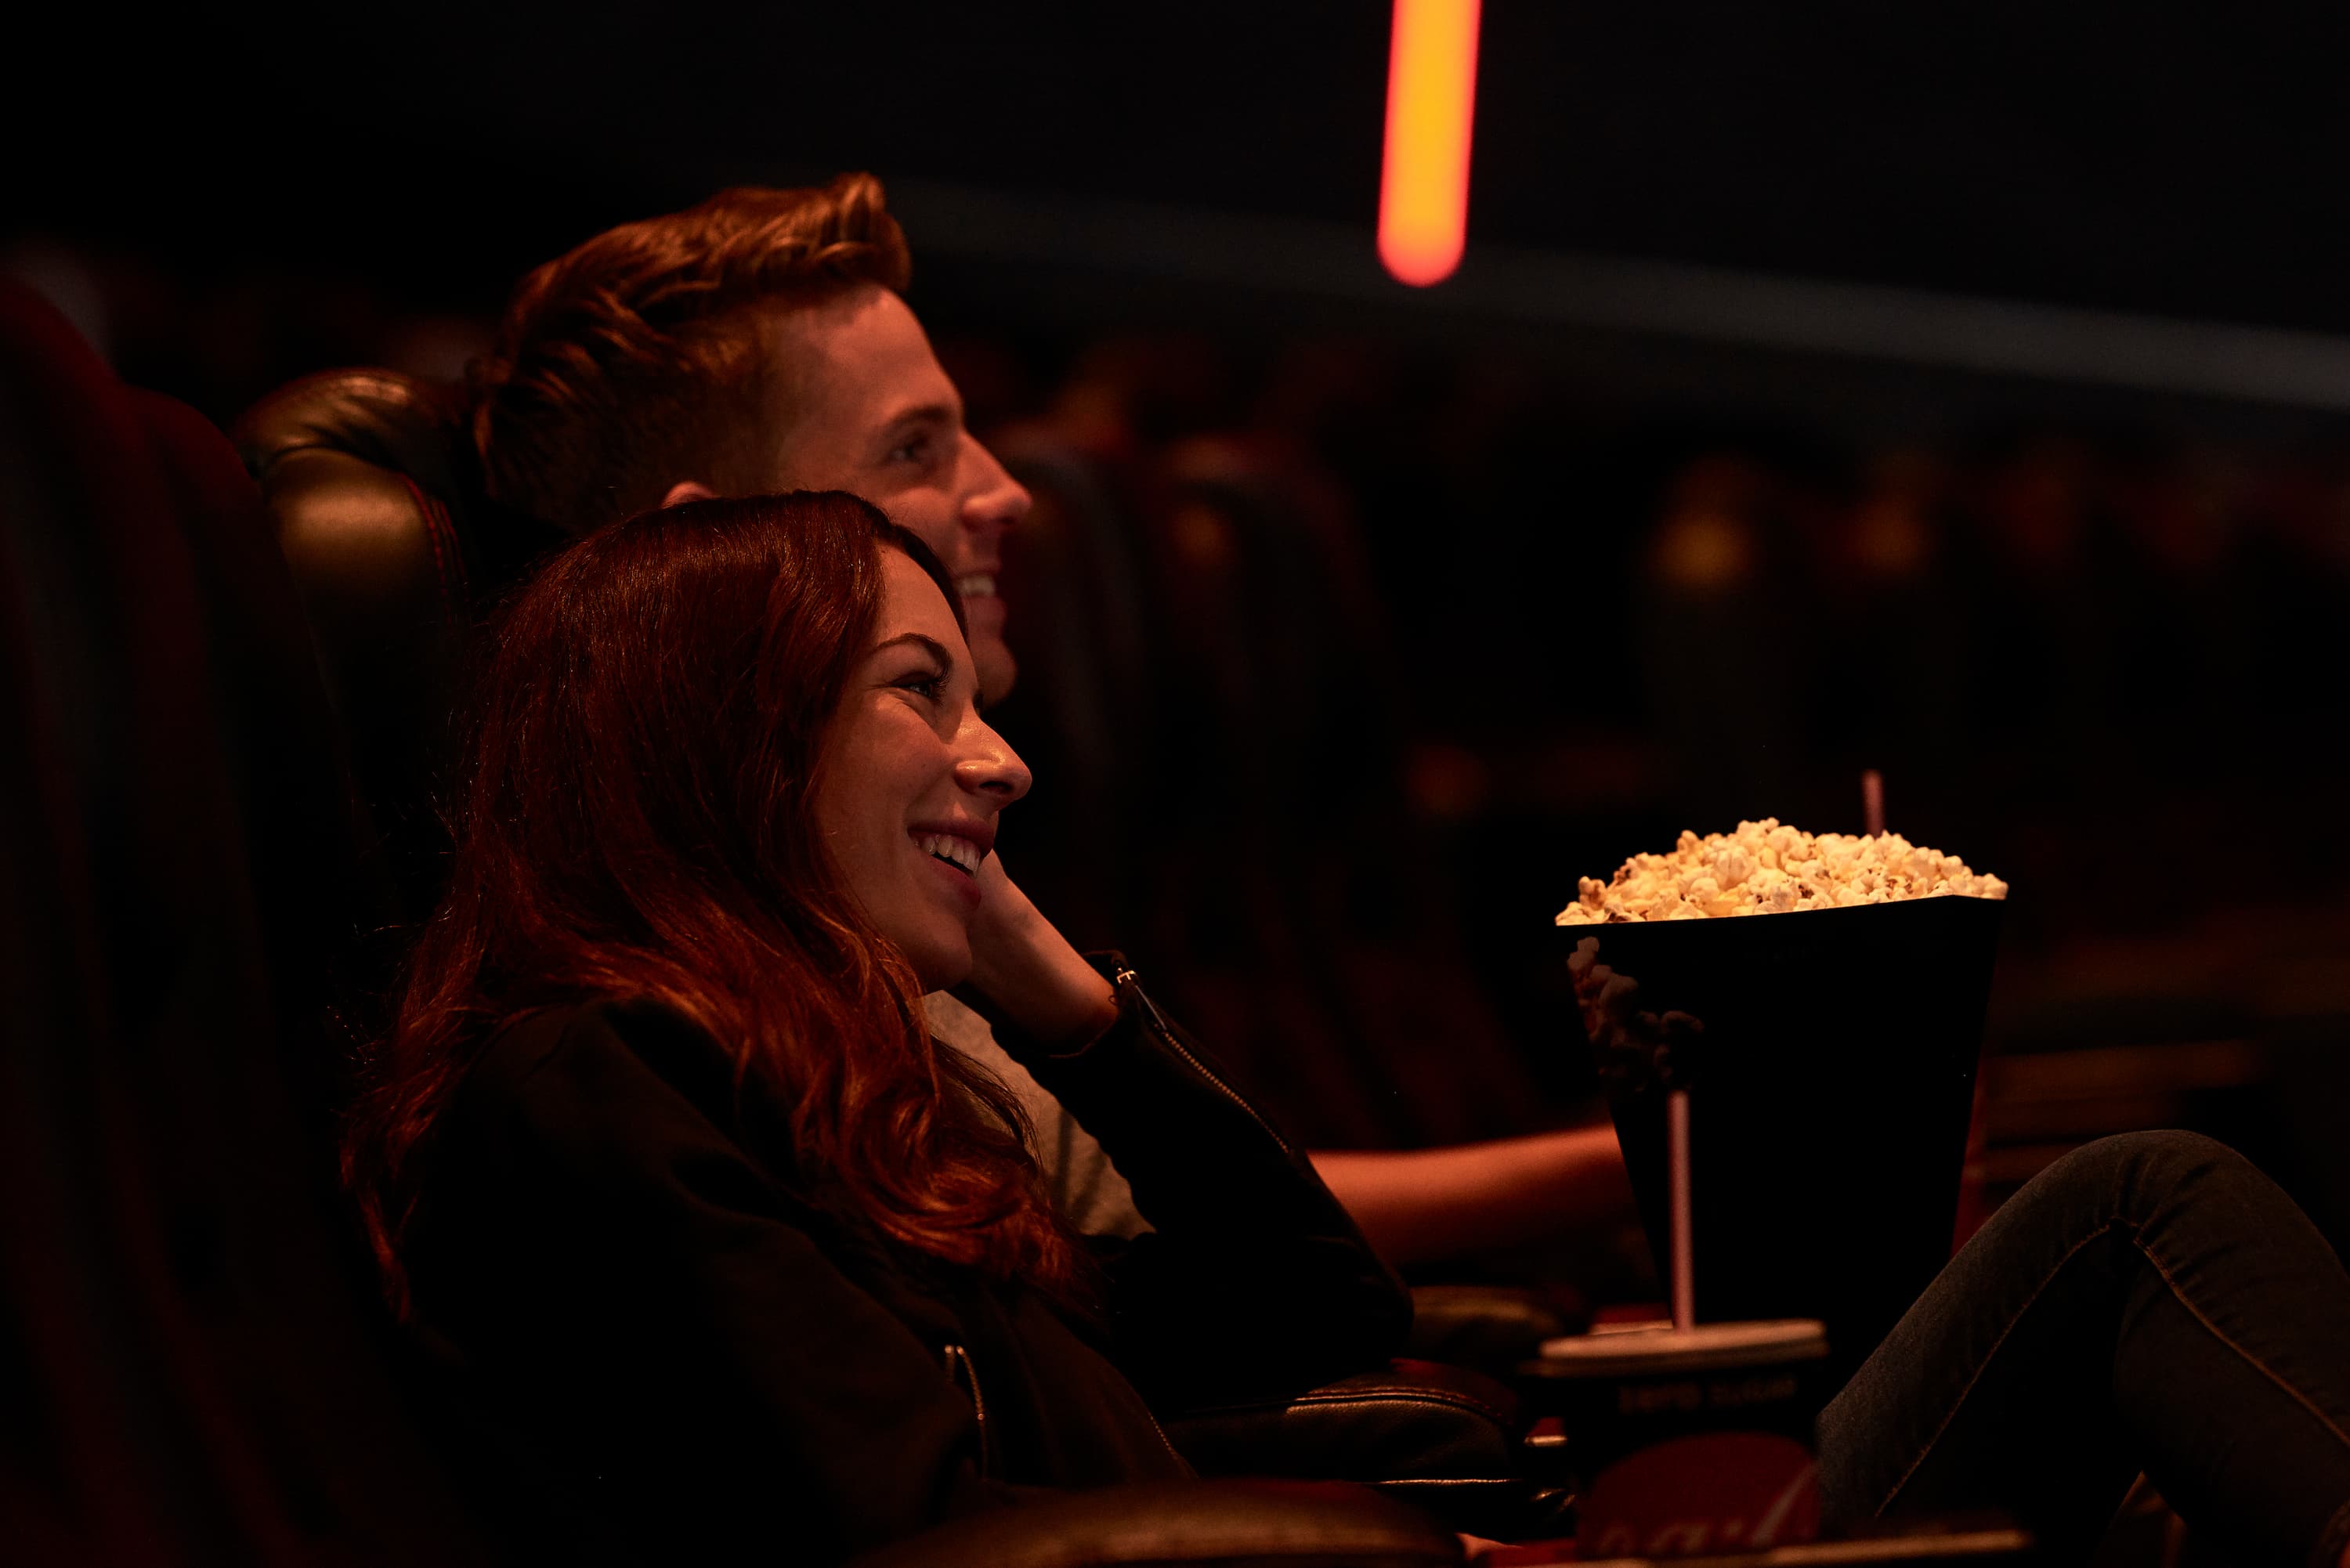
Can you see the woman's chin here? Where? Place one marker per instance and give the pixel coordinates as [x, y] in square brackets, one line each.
[940, 965]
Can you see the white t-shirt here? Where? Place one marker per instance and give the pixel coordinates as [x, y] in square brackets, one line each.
[1086, 1186]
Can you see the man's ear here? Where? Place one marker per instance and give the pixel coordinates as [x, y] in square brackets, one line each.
[686, 490]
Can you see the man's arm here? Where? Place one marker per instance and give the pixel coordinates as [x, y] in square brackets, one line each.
[1253, 1278]
[1417, 1206]
[1422, 1206]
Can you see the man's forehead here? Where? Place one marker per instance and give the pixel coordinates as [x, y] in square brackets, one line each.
[862, 353]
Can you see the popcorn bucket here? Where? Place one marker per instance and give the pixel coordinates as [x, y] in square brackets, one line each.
[1830, 1057]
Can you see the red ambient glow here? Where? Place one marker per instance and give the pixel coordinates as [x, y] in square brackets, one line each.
[1431, 97]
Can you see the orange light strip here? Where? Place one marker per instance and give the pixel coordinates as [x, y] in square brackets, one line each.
[1431, 97]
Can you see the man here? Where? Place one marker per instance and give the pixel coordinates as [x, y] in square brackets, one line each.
[760, 342]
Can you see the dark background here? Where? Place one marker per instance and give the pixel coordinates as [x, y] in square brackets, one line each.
[2180, 159]
[1960, 391]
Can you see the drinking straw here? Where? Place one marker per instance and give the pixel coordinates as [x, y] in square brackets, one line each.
[1676, 1139]
[1872, 802]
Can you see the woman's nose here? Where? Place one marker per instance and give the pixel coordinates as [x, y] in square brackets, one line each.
[989, 766]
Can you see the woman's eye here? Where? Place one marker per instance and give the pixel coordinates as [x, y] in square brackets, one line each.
[928, 684]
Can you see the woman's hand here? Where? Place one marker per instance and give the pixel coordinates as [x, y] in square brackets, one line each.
[1027, 972]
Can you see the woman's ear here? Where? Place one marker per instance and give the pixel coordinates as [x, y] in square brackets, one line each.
[686, 490]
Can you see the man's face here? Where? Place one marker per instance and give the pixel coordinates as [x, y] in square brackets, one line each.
[871, 413]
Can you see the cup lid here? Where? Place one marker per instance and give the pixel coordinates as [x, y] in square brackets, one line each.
[1660, 1348]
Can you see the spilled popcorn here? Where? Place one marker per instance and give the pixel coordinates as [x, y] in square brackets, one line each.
[1768, 868]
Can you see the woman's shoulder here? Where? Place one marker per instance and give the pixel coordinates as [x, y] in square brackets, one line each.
[591, 1069]
[597, 1036]
[612, 1113]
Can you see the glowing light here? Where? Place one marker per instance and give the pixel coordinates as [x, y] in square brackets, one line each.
[1431, 97]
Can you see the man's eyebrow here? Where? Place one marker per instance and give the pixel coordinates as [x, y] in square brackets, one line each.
[933, 413]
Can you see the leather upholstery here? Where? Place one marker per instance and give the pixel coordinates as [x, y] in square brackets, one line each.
[1228, 1525]
[1442, 1438]
[1492, 1329]
[370, 487]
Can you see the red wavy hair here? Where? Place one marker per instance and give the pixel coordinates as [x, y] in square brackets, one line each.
[635, 825]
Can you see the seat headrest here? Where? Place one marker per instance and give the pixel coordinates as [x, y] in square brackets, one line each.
[357, 461]
[358, 472]
[380, 416]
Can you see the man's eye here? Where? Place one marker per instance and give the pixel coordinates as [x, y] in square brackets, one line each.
[913, 448]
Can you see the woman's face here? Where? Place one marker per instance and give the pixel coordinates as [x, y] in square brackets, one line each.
[911, 779]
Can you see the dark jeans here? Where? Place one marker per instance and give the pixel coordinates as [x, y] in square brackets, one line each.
[2149, 1302]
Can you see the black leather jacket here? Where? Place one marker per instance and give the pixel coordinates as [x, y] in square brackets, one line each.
[642, 1292]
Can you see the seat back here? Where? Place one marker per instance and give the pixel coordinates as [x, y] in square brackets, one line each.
[372, 492]
[201, 1367]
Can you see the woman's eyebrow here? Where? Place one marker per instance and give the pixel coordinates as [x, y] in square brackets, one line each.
[932, 645]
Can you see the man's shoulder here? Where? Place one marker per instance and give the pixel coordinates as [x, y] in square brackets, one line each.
[953, 1022]
[956, 1027]
[1086, 1186]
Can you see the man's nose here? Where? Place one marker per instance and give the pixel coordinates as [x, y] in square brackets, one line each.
[990, 766]
[992, 499]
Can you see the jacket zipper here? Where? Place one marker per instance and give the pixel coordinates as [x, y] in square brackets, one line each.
[962, 1372]
[1166, 1032]
[1164, 1442]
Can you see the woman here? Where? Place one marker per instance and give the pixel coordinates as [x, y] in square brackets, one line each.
[661, 1146]
[662, 1151]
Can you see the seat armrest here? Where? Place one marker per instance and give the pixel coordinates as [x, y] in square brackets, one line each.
[1493, 1328]
[1228, 1524]
[1439, 1437]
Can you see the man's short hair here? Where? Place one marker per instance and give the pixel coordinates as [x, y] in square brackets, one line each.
[643, 357]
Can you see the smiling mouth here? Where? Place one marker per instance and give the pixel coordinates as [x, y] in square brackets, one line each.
[959, 853]
[976, 585]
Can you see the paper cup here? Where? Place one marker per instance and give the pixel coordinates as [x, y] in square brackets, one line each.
[1830, 1057]
[1687, 1442]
